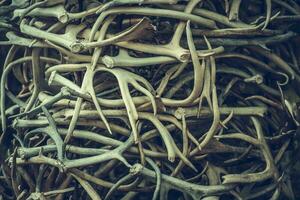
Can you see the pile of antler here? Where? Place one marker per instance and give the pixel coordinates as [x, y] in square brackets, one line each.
[149, 99]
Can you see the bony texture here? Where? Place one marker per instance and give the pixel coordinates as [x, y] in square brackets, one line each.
[149, 99]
